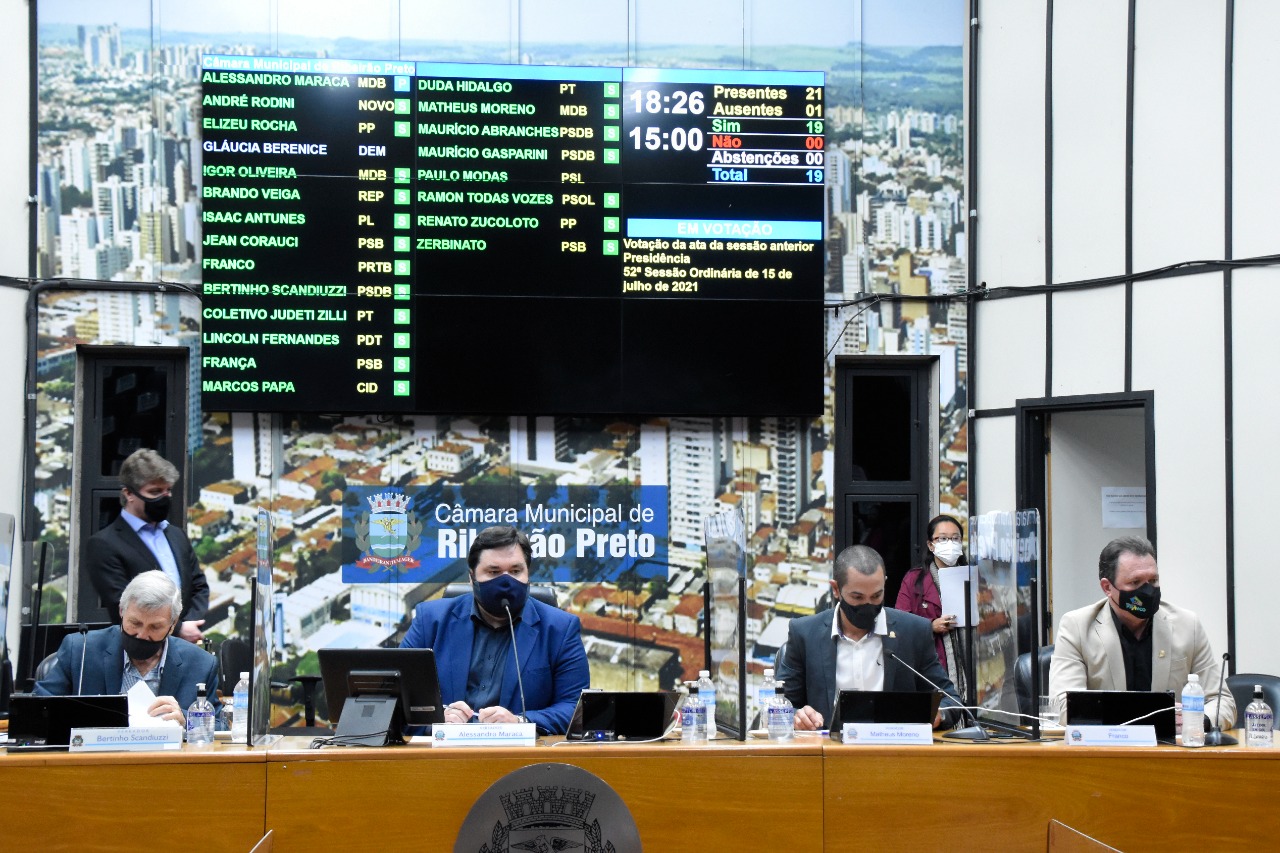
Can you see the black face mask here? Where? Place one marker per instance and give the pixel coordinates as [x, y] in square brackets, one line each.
[1142, 602]
[861, 616]
[139, 649]
[156, 509]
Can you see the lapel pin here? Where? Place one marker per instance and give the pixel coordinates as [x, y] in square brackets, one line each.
[1162, 653]
[893, 635]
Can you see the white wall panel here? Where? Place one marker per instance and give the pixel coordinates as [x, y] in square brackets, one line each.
[1255, 304]
[1177, 352]
[994, 460]
[1089, 70]
[1009, 351]
[1255, 128]
[1010, 148]
[1178, 151]
[15, 145]
[1088, 341]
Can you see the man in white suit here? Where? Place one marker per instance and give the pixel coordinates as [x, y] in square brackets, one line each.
[1131, 640]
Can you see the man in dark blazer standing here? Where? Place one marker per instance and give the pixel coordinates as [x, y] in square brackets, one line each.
[142, 539]
[852, 645]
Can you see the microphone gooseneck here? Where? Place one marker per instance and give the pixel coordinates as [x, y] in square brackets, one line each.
[84, 651]
[511, 624]
[1215, 737]
[971, 732]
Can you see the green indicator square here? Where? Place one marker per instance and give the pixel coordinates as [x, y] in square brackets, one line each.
[400, 364]
[611, 111]
[401, 291]
[612, 223]
[610, 247]
[612, 90]
[404, 128]
[400, 220]
[612, 133]
[401, 244]
[400, 388]
[402, 106]
[613, 199]
[401, 197]
[403, 176]
[611, 155]
[401, 268]
[400, 316]
[400, 340]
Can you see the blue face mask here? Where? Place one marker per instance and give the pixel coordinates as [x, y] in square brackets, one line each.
[504, 589]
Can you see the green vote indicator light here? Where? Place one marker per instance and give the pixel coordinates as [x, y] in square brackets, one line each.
[400, 388]
[612, 133]
[400, 340]
[400, 244]
[404, 128]
[402, 106]
[401, 197]
[401, 268]
[401, 316]
[400, 220]
[401, 291]
[400, 364]
[612, 90]
[403, 176]
[610, 247]
[612, 200]
[611, 156]
[612, 223]
[611, 111]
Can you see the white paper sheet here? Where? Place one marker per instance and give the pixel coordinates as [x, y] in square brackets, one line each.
[1124, 507]
[140, 699]
[951, 584]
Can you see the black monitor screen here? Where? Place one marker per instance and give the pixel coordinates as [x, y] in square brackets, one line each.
[409, 674]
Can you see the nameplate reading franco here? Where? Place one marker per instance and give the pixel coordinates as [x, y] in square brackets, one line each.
[126, 739]
[886, 733]
[1110, 736]
[484, 734]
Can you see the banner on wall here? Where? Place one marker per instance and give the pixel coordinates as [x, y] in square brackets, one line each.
[394, 534]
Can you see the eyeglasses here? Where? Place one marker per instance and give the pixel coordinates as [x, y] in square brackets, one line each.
[938, 539]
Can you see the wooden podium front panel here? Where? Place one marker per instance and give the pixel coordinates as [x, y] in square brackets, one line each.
[132, 801]
[757, 796]
[1002, 796]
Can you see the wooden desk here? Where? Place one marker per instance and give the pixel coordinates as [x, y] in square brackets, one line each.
[755, 796]
[960, 796]
[127, 801]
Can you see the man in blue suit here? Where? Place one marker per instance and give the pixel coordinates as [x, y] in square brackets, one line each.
[471, 636]
[140, 648]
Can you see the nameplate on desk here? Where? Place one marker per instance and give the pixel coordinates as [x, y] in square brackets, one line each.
[126, 739]
[1110, 736]
[484, 734]
[886, 733]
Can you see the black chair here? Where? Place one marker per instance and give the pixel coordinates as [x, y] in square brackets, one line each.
[1028, 699]
[43, 668]
[234, 657]
[1241, 686]
[543, 592]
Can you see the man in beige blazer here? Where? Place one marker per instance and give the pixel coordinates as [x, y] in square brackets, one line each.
[1131, 640]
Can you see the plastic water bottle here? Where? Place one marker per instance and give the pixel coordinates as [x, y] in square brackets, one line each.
[693, 720]
[781, 715]
[1258, 720]
[1193, 712]
[768, 688]
[240, 710]
[707, 693]
[200, 719]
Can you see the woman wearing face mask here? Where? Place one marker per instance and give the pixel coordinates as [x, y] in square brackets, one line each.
[921, 594]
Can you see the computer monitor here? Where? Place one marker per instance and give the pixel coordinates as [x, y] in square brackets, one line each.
[377, 692]
[884, 706]
[37, 721]
[1124, 707]
[616, 715]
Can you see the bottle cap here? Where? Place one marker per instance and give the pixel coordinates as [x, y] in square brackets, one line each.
[768, 672]
[1193, 678]
[200, 687]
[704, 673]
[1257, 690]
[244, 675]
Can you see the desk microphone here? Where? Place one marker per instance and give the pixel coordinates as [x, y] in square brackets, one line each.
[1215, 737]
[511, 623]
[84, 651]
[970, 732]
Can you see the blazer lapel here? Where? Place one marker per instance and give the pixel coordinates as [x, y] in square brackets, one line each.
[135, 542]
[171, 677]
[112, 663]
[464, 639]
[896, 676]
[1108, 643]
[828, 665]
[1162, 650]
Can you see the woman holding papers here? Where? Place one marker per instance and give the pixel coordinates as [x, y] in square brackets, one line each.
[921, 594]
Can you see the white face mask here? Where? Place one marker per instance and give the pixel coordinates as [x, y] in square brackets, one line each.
[947, 552]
